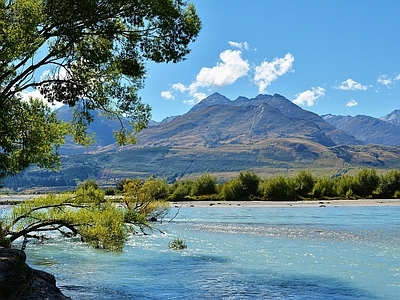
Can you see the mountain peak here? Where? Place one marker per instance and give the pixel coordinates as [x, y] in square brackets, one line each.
[213, 99]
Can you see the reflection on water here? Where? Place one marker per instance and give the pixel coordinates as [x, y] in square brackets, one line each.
[260, 253]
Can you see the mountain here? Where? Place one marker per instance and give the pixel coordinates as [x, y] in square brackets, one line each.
[217, 121]
[393, 118]
[267, 134]
[101, 128]
[368, 129]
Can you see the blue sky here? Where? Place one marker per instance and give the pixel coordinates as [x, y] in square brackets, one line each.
[339, 57]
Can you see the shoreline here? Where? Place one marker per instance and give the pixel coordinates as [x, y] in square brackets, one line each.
[6, 200]
[306, 203]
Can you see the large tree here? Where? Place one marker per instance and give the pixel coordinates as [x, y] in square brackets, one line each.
[88, 54]
[88, 214]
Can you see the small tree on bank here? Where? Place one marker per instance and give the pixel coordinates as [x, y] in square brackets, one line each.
[86, 213]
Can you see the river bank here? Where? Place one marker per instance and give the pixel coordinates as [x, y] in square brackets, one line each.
[307, 203]
[14, 199]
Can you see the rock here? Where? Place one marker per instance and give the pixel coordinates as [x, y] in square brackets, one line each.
[19, 281]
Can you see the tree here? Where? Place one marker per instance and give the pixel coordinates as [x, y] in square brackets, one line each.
[389, 183]
[366, 182]
[242, 187]
[279, 188]
[86, 213]
[304, 183]
[204, 185]
[91, 55]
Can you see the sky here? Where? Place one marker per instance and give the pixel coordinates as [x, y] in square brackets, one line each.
[339, 57]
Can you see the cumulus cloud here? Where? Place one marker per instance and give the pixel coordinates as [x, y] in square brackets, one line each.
[231, 67]
[309, 97]
[385, 80]
[352, 103]
[351, 85]
[179, 87]
[267, 72]
[226, 72]
[241, 46]
[167, 95]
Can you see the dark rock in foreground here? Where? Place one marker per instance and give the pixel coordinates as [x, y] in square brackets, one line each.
[19, 281]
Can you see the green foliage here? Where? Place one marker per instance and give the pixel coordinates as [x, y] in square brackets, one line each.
[181, 190]
[98, 221]
[279, 188]
[94, 58]
[324, 187]
[205, 185]
[345, 186]
[177, 244]
[109, 192]
[232, 190]
[30, 134]
[366, 182]
[244, 186]
[250, 183]
[303, 183]
[389, 184]
[89, 183]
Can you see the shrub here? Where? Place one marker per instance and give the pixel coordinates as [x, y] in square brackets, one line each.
[181, 190]
[366, 182]
[177, 244]
[244, 186]
[205, 185]
[110, 192]
[304, 184]
[88, 184]
[324, 187]
[156, 188]
[345, 186]
[389, 184]
[250, 183]
[279, 188]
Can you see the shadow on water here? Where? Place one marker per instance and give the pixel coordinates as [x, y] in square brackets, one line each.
[213, 277]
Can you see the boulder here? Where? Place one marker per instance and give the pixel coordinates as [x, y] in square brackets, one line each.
[19, 281]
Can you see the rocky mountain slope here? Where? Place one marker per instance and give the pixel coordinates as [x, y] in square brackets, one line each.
[267, 134]
[369, 130]
[217, 121]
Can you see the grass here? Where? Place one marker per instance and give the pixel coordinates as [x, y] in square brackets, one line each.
[177, 244]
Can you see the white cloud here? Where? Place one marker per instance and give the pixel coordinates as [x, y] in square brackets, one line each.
[352, 103]
[384, 80]
[309, 97]
[267, 72]
[227, 71]
[241, 46]
[35, 94]
[179, 87]
[231, 68]
[397, 77]
[351, 85]
[167, 95]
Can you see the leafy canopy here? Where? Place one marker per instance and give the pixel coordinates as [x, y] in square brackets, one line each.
[87, 213]
[89, 54]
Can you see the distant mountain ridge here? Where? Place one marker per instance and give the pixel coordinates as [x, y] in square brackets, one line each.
[369, 130]
[267, 134]
[216, 120]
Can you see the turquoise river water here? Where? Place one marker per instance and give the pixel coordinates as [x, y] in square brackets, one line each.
[240, 253]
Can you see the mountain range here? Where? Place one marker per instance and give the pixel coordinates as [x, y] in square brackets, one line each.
[267, 134]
